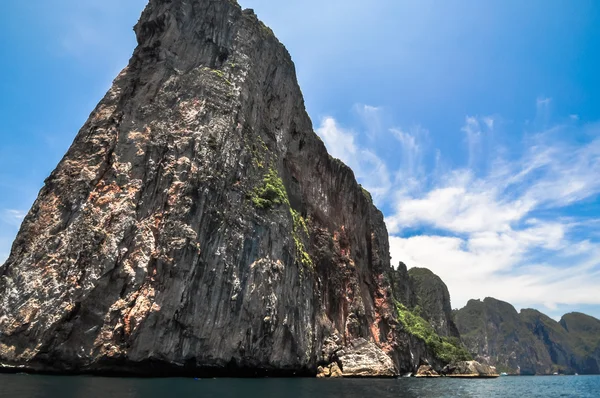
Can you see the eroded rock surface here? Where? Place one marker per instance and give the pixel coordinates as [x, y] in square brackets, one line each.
[426, 371]
[472, 369]
[332, 370]
[364, 359]
[529, 342]
[197, 223]
[433, 299]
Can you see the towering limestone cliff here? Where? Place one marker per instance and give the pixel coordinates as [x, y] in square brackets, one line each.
[529, 342]
[197, 224]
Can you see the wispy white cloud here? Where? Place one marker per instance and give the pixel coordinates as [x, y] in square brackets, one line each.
[4, 251]
[367, 166]
[475, 128]
[497, 226]
[10, 221]
[413, 142]
[492, 243]
[495, 265]
[371, 117]
[543, 102]
[463, 205]
[489, 122]
[12, 217]
[339, 142]
[473, 133]
[542, 116]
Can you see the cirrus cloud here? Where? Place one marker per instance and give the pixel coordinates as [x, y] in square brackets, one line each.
[10, 221]
[512, 227]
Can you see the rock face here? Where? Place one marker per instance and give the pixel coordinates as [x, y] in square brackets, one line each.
[197, 224]
[364, 359]
[433, 299]
[469, 369]
[493, 330]
[426, 371]
[402, 286]
[585, 341]
[529, 342]
[333, 370]
[573, 343]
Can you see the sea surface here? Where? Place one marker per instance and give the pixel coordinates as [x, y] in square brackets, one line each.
[29, 386]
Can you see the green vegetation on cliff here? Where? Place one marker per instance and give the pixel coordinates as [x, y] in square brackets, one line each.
[271, 192]
[301, 228]
[585, 332]
[366, 193]
[448, 349]
[433, 298]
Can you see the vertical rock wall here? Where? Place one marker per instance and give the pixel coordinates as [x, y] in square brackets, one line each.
[197, 223]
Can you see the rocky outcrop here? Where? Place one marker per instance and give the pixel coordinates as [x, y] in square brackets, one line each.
[364, 359]
[529, 342]
[332, 370]
[402, 286]
[426, 371]
[197, 224]
[360, 358]
[433, 299]
[469, 369]
[423, 307]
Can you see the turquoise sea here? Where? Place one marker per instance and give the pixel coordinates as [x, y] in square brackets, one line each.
[29, 386]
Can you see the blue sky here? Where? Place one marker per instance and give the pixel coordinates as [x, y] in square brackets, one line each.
[476, 125]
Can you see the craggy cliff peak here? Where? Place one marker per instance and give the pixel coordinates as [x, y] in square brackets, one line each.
[433, 300]
[198, 225]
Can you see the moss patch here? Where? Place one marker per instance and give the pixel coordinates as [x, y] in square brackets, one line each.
[300, 227]
[366, 193]
[299, 222]
[272, 192]
[259, 152]
[266, 30]
[448, 349]
[220, 74]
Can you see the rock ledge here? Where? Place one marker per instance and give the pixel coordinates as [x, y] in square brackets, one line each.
[469, 369]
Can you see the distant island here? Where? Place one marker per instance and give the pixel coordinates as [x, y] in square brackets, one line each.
[529, 342]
